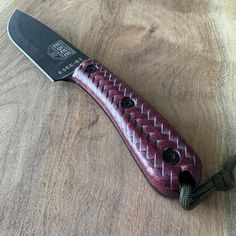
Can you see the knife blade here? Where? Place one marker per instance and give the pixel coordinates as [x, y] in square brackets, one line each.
[53, 55]
[163, 156]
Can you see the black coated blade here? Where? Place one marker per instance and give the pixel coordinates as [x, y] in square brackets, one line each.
[56, 57]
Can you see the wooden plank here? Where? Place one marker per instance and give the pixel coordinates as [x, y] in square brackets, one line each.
[223, 17]
[64, 169]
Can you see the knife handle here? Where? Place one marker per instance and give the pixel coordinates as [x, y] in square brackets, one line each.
[161, 153]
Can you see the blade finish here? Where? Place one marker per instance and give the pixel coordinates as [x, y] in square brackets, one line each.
[56, 57]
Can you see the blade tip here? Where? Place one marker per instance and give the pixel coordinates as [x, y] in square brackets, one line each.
[9, 23]
[14, 14]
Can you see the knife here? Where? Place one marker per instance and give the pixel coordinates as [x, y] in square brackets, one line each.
[162, 154]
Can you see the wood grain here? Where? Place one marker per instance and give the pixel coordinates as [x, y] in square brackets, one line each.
[64, 169]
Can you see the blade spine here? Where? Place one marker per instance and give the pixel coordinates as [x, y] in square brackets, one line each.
[9, 35]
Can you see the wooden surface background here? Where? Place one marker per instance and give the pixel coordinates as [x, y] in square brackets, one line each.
[64, 170]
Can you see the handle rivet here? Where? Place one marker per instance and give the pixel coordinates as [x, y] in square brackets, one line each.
[170, 156]
[91, 69]
[127, 102]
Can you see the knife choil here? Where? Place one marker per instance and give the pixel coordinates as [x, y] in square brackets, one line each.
[167, 161]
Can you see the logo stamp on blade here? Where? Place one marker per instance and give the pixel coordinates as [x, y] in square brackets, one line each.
[60, 51]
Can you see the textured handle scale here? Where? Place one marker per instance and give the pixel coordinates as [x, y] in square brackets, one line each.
[146, 133]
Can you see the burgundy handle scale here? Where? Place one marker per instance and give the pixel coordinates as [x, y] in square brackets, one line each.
[161, 153]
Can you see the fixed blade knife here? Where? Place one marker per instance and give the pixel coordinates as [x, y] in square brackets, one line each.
[162, 154]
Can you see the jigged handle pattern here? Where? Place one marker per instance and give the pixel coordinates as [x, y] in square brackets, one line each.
[152, 141]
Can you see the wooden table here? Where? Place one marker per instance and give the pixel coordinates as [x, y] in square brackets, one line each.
[64, 169]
